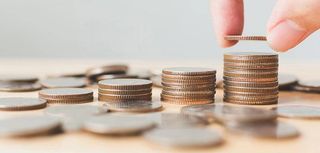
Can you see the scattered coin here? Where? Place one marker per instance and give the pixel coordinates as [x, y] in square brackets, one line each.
[28, 126]
[66, 95]
[19, 87]
[18, 78]
[287, 81]
[135, 106]
[240, 37]
[298, 111]
[271, 129]
[73, 116]
[63, 82]
[20, 104]
[73, 74]
[115, 76]
[118, 125]
[94, 72]
[184, 137]
[226, 113]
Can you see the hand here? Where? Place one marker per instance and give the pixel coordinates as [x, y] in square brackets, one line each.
[291, 21]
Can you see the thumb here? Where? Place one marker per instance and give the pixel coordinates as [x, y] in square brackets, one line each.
[291, 22]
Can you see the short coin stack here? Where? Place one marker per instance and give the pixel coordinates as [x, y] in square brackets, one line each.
[66, 95]
[121, 90]
[251, 78]
[187, 85]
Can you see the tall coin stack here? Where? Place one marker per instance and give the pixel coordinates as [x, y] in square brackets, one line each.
[251, 78]
[187, 85]
[124, 90]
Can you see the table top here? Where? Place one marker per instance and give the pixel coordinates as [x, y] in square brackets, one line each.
[82, 142]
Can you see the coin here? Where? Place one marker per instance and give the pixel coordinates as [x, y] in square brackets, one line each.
[115, 76]
[156, 80]
[298, 111]
[69, 101]
[19, 87]
[240, 37]
[18, 78]
[135, 106]
[190, 137]
[124, 97]
[72, 74]
[125, 84]
[251, 84]
[176, 120]
[63, 82]
[73, 116]
[20, 104]
[251, 89]
[249, 55]
[63, 93]
[189, 78]
[271, 129]
[125, 92]
[306, 89]
[187, 101]
[188, 71]
[246, 79]
[94, 72]
[254, 102]
[205, 87]
[28, 126]
[189, 82]
[194, 98]
[118, 125]
[286, 81]
[227, 113]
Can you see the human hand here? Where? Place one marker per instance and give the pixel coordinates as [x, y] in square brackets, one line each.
[290, 23]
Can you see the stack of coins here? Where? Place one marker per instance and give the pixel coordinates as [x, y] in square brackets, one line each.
[251, 78]
[121, 90]
[187, 85]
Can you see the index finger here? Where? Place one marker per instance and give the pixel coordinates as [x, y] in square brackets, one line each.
[228, 18]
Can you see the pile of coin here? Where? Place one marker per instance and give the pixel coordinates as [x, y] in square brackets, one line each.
[120, 90]
[66, 95]
[251, 78]
[187, 85]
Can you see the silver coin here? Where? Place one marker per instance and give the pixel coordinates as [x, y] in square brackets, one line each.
[18, 78]
[188, 71]
[73, 116]
[298, 111]
[127, 84]
[65, 93]
[20, 103]
[286, 81]
[184, 137]
[134, 106]
[272, 129]
[227, 113]
[28, 126]
[63, 82]
[118, 125]
[19, 87]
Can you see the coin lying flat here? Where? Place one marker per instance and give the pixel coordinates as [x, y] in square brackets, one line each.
[250, 55]
[227, 113]
[240, 37]
[94, 72]
[115, 76]
[118, 125]
[73, 116]
[125, 84]
[125, 92]
[184, 137]
[19, 87]
[298, 111]
[287, 81]
[308, 86]
[20, 103]
[272, 129]
[63, 82]
[18, 78]
[28, 126]
[188, 71]
[57, 93]
[134, 106]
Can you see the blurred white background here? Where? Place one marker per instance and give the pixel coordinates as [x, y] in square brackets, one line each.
[122, 29]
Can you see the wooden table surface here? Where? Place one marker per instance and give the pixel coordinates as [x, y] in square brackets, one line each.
[81, 142]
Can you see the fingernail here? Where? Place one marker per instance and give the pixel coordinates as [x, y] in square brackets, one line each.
[285, 35]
